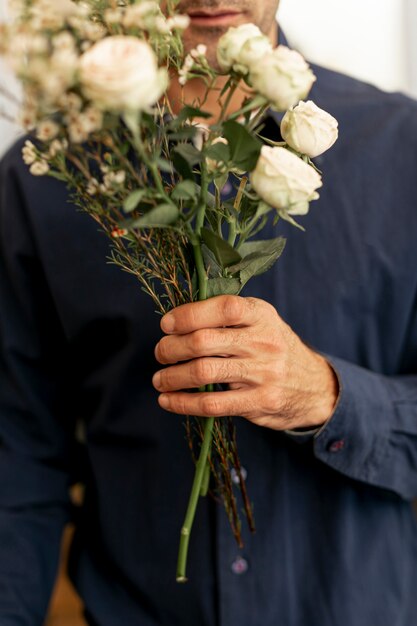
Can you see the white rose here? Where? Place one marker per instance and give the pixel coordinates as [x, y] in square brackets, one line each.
[285, 181]
[120, 73]
[283, 77]
[309, 129]
[240, 47]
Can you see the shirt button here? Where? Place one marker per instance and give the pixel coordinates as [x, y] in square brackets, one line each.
[336, 446]
[227, 188]
[235, 476]
[239, 566]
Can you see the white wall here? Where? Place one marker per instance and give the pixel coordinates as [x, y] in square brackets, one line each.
[375, 40]
[364, 38]
[8, 132]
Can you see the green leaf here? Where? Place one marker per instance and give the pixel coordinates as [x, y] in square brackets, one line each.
[57, 175]
[189, 112]
[214, 270]
[189, 153]
[224, 253]
[262, 246]
[185, 190]
[182, 166]
[183, 134]
[259, 257]
[223, 286]
[133, 200]
[219, 152]
[184, 157]
[244, 147]
[161, 215]
[164, 165]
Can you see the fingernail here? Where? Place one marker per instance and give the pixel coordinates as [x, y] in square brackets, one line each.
[156, 380]
[164, 401]
[168, 323]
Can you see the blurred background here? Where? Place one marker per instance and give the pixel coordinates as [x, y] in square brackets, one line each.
[375, 41]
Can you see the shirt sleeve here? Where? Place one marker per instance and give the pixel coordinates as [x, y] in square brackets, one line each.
[372, 434]
[35, 424]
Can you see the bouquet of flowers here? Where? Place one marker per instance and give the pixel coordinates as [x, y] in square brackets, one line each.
[104, 98]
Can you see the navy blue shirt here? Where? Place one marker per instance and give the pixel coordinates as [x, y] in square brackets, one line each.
[336, 541]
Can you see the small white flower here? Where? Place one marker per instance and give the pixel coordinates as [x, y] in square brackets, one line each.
[38, 44]
[201, 49]
[29, 153]
[194, 58]
[63, 41]
[27, 118]
[94, 31]
[92, 119]
[119, 177]
[93, 186]
[72, 102]
[136, 13]
[39, 168]
[113, 16]
[56, 147]
[113, 179]
[308, 129]
[52, 86]
[47, 130]
[65, 61]
[77, 132]
[161, 25]
[198, 52]
[178, 22]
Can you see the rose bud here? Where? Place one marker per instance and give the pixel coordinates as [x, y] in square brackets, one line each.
[308, 129]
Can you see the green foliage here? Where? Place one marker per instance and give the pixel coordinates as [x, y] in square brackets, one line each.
[184, 157]
[219, 152]
[189, 112]
[224, 253]
[160, 216]
[133, 200]
[244, 147]
[258, 258]
[185, 190]
[223, 286]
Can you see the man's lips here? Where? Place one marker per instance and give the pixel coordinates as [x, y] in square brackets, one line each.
[213, 18]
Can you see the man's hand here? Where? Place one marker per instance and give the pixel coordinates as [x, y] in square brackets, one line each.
[274, 379]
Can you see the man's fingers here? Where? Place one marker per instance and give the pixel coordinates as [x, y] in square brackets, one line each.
[204, 372]
[208, 404]
[213, 313]
[203, 343]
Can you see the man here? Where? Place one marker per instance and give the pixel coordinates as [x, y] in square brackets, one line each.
[328, 434]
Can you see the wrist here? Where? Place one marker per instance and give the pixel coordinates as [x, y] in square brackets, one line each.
[329, 392]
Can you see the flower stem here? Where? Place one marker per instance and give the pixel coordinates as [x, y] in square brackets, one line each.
[206, 476]
[192, 504]
[202, 472]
